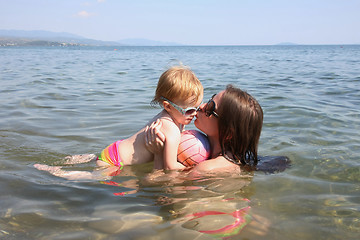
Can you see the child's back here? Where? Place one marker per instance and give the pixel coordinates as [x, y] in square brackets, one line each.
[131, 150]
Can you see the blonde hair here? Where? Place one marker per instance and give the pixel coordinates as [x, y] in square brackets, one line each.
[178, 83]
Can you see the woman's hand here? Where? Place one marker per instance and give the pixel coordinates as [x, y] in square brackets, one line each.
[154, 138]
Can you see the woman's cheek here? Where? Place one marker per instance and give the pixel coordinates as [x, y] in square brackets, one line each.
[199, 124]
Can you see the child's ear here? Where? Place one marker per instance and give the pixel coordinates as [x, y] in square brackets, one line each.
[166, 105]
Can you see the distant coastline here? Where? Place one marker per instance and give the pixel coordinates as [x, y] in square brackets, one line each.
[48, 38]
[13, 42]
[12, 38]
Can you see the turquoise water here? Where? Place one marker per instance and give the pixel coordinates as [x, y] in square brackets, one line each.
[60, 101]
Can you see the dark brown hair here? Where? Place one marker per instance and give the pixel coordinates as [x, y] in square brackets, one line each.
[240, 124]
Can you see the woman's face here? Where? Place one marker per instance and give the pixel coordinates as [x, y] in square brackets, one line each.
[209, 124]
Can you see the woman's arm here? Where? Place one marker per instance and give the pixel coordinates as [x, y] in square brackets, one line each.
[154, 138]
[154, 142]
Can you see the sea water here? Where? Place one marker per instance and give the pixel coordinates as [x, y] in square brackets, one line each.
[59, 101]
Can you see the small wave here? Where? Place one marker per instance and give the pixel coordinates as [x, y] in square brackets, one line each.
[27, 103]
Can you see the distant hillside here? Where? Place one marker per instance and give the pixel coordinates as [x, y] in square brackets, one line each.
[47, 38]
[38, 34]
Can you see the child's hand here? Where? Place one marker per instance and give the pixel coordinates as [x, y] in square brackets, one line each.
[154, 138]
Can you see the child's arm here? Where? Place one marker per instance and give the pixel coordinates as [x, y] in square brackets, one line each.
[172, 140]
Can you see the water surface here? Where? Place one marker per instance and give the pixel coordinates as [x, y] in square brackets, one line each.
[60, 101]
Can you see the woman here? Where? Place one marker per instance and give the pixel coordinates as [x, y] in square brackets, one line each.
[232, 120]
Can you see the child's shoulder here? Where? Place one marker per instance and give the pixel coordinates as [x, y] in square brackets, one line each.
[165, 118]
[168, 124]
[169, 127]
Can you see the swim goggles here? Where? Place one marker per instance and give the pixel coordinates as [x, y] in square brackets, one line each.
[210, 108]
[183, 111]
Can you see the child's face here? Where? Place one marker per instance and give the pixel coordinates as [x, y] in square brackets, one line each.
[186, 118]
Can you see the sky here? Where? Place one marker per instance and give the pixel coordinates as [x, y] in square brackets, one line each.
[191, 22]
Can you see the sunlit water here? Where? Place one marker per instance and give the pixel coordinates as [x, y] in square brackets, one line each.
[60, 101]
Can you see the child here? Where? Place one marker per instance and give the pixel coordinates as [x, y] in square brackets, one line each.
[180, 93]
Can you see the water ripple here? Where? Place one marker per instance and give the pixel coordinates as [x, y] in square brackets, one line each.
[60, 101]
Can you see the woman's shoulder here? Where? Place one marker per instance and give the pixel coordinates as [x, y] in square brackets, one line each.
[218, 164]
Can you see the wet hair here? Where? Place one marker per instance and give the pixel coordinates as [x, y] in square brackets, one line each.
[178, 84]
[240, 124]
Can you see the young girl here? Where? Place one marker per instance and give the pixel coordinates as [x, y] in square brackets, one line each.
[180, 93]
